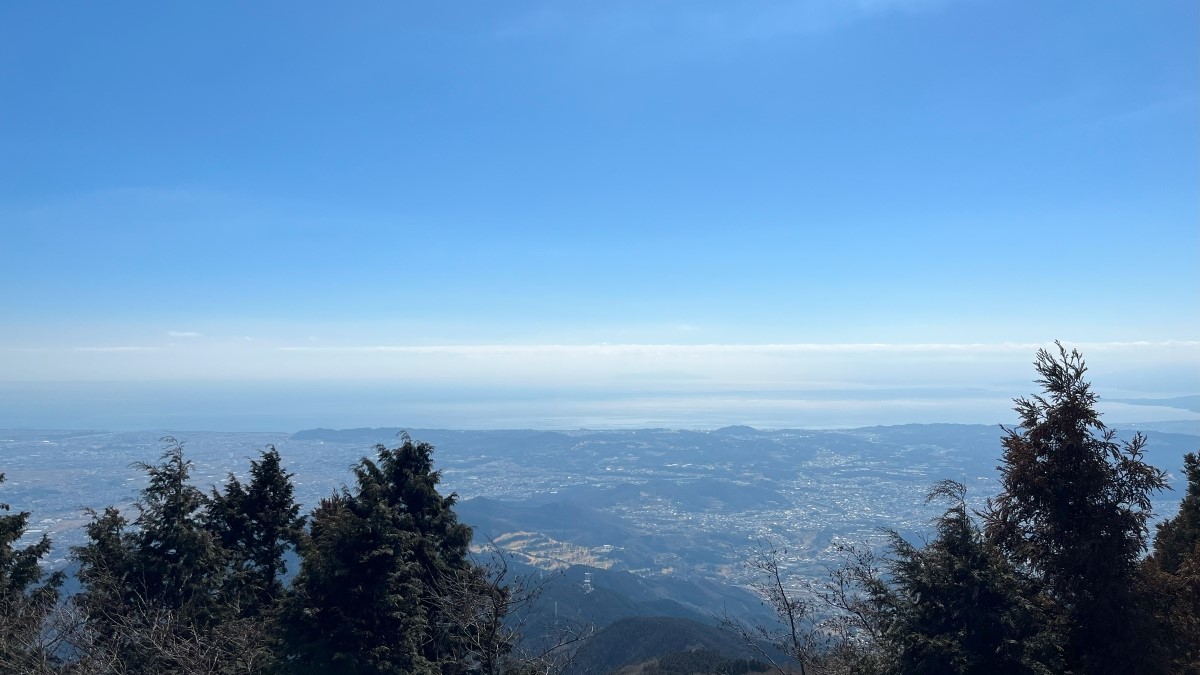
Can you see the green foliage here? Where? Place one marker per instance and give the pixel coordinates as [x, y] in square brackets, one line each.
[953, 606]
[178, 563]
[19, 569]
[958, 606]
[374, 571]
[151, 597]
[1171, 576]
[1072, 513]
[1177, 540]
[194, 583]
[106, 564]
[26, 594]
[256, 525]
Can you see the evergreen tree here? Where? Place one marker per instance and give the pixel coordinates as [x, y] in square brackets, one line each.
[1072, 513]
[1177, 541]
[178, 560]
[26, 594]
[105, 567]
[375, 569]
[1171, 576]
[150, 587]
[114, 626]
[957, 606]
[257, 524]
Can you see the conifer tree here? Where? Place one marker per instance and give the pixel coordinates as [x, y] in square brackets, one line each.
[956, 605]
[257, 524]
[1171, 576]
[106, 563]
[178, 559]
[27, 595]
[1072, 513]
[1177, 540]
[150, 587]
[378, 561]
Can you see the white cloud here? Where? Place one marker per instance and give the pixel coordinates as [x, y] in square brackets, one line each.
[182, 334]
[1134, 368]
[1134, 365]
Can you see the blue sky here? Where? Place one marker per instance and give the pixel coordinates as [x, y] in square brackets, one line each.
[484, 194]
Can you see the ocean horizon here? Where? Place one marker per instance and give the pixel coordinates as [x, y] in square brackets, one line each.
[292, 406]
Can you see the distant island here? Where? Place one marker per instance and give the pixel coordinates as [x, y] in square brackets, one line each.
[1190, 403]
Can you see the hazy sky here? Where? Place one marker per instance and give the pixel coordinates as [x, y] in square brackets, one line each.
[689, 195]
